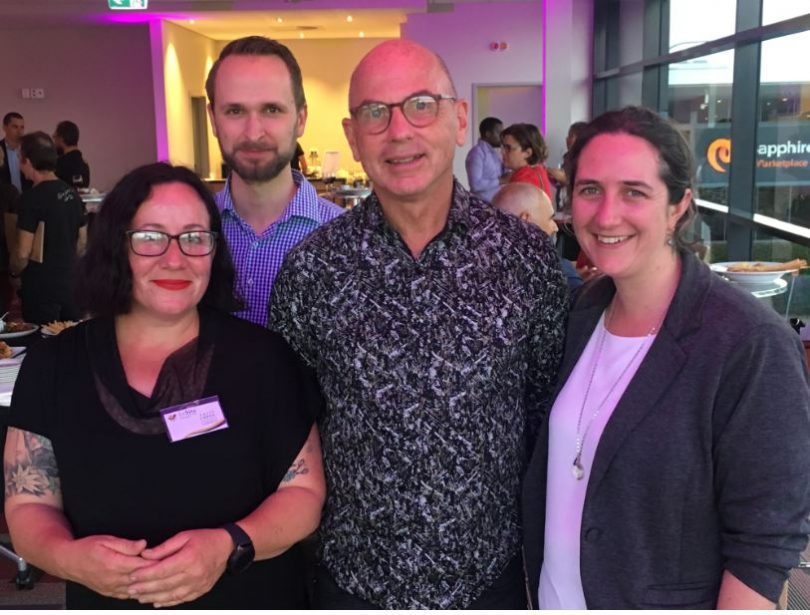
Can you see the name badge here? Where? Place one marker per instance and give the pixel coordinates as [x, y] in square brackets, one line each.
[194, 419]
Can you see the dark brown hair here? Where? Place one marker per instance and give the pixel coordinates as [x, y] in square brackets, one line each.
[259, 46]
[677, 165]
[529, 138]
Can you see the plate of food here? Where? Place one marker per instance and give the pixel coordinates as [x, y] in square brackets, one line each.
[57, 326]
[9, 352]
[15, 328]
[757, 272]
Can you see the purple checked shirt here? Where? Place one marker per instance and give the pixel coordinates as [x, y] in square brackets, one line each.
[257, 258]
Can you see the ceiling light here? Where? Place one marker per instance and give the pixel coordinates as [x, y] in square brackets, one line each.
[279, 19]
[300, 35]
[362, 34]
[191, 21]
[349, 18]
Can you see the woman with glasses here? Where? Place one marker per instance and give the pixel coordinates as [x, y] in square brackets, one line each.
[525, 151]
[158, 449]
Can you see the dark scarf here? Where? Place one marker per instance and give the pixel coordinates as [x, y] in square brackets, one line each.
[182, 377]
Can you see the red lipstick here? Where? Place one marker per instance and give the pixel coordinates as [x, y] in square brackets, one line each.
[173, 284]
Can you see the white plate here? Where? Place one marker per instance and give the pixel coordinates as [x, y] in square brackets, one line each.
[8, 336]
[750, 277]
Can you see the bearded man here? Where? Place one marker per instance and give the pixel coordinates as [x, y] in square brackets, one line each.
[258, 112]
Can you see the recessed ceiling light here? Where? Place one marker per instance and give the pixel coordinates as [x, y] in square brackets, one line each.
[349, 18]
[300, 35]
[362, 34]
[279, 19]
[191, 21]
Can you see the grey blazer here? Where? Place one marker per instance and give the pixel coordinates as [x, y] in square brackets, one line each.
[705, 463]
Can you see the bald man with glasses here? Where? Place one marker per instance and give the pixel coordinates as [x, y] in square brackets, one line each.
[435, 326]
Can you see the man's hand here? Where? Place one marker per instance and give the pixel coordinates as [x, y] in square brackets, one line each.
[183, 568]
[105, 563]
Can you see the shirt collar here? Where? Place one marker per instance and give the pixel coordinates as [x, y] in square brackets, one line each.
[304, 203]
[458, 218]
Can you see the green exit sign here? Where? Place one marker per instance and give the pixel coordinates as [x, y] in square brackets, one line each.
[128, 5]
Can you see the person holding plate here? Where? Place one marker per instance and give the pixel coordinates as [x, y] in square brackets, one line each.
[673, 469]
[158, 449]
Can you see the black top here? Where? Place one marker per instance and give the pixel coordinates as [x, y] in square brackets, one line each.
[131, 485]
[60, 208]
[70, 165]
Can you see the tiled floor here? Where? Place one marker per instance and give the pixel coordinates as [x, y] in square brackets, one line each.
[47, 593]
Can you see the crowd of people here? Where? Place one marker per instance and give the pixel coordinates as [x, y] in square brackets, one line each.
[421, 380]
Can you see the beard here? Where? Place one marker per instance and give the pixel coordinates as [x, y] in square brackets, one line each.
[256, 172]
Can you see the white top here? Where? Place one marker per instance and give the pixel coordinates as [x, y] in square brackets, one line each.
[560, 582]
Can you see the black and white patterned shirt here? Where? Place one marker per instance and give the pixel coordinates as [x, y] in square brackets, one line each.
[431, 369]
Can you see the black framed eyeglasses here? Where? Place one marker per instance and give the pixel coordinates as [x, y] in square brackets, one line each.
[420, 110]
[156, 243]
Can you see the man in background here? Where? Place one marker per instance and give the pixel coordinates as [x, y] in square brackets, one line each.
[484, 162]
[71, 166]
[51, 233]
[532, 205]
[10, 173]
[435, 326]
[258, 112]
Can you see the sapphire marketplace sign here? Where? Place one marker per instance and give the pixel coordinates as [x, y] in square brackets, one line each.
[782, 154]
[128, 5]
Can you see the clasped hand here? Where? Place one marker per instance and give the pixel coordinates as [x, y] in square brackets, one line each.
[181, 569]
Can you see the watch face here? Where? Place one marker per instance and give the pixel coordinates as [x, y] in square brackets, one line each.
[241, 557]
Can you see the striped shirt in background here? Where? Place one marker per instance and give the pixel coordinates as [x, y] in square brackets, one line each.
[257, 258]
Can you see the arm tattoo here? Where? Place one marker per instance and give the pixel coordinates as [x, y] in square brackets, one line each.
[299, 467]
[33, 470]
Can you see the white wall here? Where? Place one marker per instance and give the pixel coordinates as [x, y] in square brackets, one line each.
[97, 76]
[462, 38]
[569, 45]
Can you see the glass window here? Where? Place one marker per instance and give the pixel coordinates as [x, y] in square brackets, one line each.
[699, 102]
[779, 10]
[783, 134]
[694, 22]
[795, 301]
[631, 31]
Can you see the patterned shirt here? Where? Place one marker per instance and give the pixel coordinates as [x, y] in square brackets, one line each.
[257, 258]
[431, 369]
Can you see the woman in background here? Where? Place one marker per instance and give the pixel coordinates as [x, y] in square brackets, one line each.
[525, 151]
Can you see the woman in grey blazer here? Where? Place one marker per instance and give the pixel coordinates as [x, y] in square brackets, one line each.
[673, 470]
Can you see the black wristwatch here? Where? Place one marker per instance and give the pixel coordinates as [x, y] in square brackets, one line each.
[243, 552]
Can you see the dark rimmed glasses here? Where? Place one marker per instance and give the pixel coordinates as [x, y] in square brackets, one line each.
[156, 243]
[420, 110]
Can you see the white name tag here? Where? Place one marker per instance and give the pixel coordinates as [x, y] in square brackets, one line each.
[194, 419]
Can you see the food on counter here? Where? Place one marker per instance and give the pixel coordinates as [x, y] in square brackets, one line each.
[57, 326]
[5, 351]
[16, 326]
[796, 263]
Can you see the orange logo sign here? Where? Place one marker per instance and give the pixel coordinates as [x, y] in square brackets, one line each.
[719, 154]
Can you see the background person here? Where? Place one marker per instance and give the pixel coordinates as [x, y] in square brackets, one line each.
[532, 205]
[665, 436]
[484, 161]
[10, 172]
[525, 151]
[96, 491]
[51, 234]
[71, 166]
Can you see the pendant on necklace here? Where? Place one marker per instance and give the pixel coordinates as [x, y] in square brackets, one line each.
[576, 469]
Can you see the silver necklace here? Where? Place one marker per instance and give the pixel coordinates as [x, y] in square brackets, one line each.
[577, 470]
